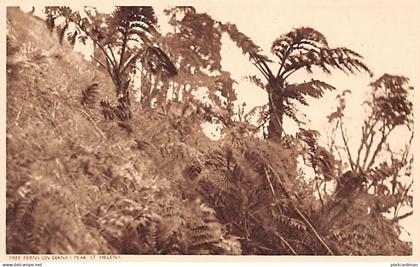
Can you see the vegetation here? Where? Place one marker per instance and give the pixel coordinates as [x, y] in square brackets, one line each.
[90, 171]
[303, 48]
[123, 37]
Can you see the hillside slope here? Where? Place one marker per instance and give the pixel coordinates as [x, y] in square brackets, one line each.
[75, 182]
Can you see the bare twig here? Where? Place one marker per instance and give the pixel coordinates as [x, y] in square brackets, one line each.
[107, 68]
[56, 106]
[102, 47]
[300, 213]
[123, 49]
[285, 242]
[112, 53]
[379, 146]
[93, 123]
[278, 234]
[346, 145]
[260, 67]
[398, 218]
[269, 182]
[261, 125]
[362, 143]
[367, 129]
[18, 115]
[319, 194]
[368, 148]
[44, 113]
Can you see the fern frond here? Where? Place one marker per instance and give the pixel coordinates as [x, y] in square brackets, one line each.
[192, 171]
[71, 36]
[305, 48]
[126, 126]
[107, 110]
[152, 235]
[203, 239]
[255, 80]
[122, 111]
[89, 95]
[313, 88]
[303, 36]
[24, 213]
[243, 42]
[157, 60]
[291, 222]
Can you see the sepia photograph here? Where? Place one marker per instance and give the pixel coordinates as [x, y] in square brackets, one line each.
[224, 128]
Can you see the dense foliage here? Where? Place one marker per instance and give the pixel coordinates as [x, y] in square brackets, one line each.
[87, 175]
[124, 38]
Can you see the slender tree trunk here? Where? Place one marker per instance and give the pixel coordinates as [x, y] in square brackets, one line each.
[275, 125]
[145, 90]
[122, 83]
[123, 96]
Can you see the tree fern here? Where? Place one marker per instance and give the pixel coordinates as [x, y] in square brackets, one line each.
[302, 48]
[123, 38]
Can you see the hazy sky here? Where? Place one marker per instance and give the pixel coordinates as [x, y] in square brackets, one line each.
[386, 33]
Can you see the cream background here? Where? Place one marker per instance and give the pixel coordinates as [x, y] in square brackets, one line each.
[386, 33]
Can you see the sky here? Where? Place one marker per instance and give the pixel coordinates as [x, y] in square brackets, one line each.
[386, 33]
